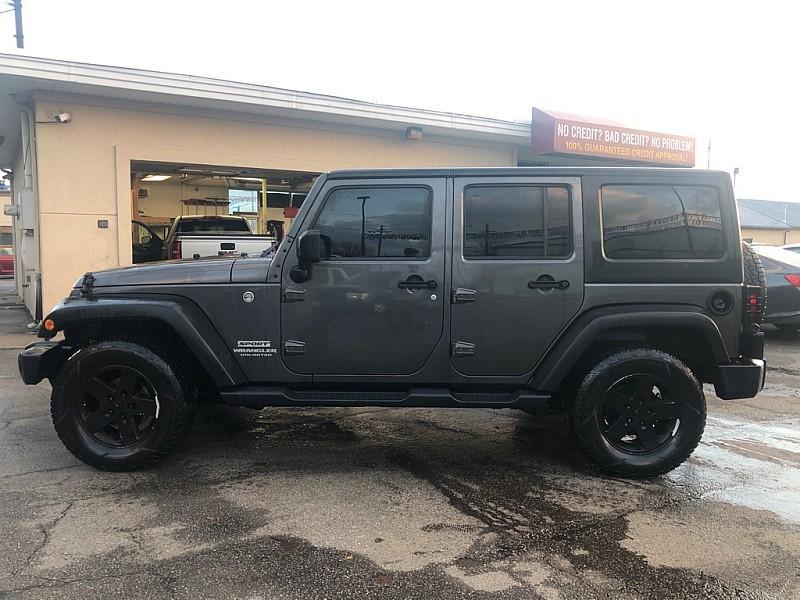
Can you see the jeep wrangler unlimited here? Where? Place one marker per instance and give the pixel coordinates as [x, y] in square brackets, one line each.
[609, 293]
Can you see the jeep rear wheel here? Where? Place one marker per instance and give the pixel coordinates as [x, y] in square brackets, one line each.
[118, 405]
[639, 413]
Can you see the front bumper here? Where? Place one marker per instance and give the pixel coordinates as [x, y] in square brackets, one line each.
[40, 360]
[741, 380]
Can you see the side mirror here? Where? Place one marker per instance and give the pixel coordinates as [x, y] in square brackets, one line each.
[146, 239]
[308, 253]
[308, 247]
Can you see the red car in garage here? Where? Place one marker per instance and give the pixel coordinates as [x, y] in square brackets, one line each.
[6, 261]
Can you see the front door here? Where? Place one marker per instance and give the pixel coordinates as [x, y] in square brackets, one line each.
[517, 270]
[374, 304]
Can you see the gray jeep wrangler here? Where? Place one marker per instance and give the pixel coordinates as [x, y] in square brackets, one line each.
[609, 293]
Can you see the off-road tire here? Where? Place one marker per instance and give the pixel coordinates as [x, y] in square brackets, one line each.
[169, 377]
[753, 270]
[588, 429]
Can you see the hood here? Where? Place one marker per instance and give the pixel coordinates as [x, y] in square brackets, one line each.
[211, 270]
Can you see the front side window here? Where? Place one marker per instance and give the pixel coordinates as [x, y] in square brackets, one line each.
[376, 222]
[661, 222]
[517, 222]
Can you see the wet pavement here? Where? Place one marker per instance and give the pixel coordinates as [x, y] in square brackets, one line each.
[402, 503]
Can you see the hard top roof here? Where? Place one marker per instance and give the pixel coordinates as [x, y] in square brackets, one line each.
[521, 172]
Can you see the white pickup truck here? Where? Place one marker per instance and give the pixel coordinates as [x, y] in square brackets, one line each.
[195, 236]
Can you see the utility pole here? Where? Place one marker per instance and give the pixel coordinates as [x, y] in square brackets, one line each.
[17, 4]
[381, 231]
[708, 161]
[363, 224]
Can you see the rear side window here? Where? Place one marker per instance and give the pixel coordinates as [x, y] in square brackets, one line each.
[517, 222]
[652, 222]
[389, 222]
[213, 226]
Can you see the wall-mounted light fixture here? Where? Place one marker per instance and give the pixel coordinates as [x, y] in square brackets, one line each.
[414, 134]
[58, 118]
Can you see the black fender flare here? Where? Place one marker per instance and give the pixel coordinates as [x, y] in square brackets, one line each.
[185, 317]
[567, 350]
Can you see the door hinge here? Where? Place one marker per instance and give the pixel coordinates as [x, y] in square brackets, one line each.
[462, 295]
[462, 349]
[294, 347]
[294, 294]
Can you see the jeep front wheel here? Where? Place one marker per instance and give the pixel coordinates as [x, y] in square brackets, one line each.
[118, 405]
[639, 413]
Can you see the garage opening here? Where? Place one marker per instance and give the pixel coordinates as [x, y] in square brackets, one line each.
[222, 209]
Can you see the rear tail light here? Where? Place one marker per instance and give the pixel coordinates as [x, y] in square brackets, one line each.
[176, 249]
[754, 304]
[794, 280]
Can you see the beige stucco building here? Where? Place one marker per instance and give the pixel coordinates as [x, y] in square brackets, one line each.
[74, 137]
[769, 222]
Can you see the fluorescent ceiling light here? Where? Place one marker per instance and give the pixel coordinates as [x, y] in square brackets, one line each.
[156, 177]
[249, 178]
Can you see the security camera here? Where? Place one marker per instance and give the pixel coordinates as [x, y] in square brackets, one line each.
[62, 117]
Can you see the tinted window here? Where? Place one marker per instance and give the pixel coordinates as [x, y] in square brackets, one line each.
[376, 222]
[212, 225]
[661, 221]
[519, 221]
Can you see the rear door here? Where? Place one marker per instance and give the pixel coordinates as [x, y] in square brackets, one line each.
[517, 270]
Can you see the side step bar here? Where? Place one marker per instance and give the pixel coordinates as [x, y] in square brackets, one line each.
[259, 396]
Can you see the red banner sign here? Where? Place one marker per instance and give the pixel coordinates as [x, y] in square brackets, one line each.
[560, 134]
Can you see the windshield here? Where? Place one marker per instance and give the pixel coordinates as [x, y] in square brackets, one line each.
[212, 225]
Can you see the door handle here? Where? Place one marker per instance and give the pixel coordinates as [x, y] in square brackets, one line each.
[413, 284]
[548, 284]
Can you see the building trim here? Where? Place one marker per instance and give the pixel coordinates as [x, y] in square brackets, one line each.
[144, 85]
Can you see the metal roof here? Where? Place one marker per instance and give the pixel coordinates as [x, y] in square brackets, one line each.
[786, 213]
[753, 216]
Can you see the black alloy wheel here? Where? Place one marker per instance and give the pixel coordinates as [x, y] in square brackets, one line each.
[122, 404]
[638, 413]
[119, 406]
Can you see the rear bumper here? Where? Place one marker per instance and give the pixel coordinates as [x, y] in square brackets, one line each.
[40, 360]
[741, 380]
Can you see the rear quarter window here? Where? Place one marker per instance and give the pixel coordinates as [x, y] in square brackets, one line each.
[213, 226]
[661, 222]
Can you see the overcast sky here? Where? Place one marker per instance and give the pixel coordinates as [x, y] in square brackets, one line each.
[721, 70]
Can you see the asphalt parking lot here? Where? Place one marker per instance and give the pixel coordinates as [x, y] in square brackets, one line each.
[405, 503]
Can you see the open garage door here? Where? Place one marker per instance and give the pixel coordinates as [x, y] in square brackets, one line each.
[169, 200]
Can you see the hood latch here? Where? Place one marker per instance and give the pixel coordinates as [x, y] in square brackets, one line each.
[86, 286]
